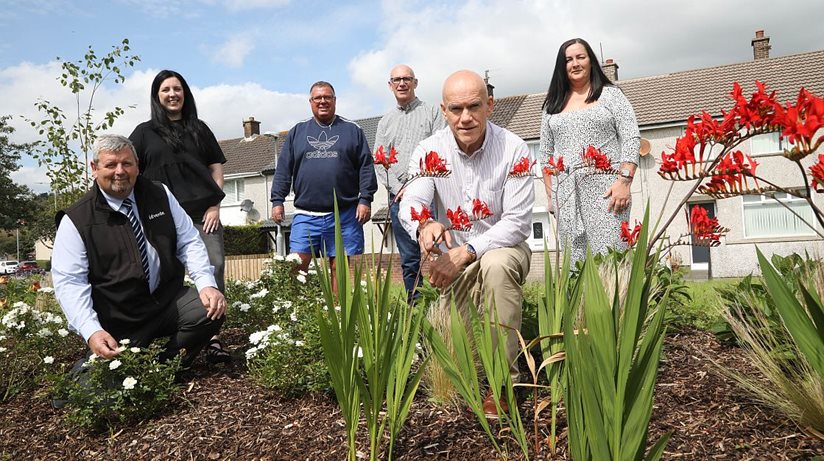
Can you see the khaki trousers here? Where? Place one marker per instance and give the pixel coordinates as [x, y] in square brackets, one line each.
[495, 279]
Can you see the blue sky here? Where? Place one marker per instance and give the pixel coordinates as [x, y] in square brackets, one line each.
[258, 57]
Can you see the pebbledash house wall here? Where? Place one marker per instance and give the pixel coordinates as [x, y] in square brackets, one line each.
[736, 256]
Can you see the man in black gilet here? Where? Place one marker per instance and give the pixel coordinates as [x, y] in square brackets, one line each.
[119, 258]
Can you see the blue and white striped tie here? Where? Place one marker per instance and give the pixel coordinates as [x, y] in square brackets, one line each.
[138, 233]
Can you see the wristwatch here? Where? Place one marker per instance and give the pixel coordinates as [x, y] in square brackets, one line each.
[471, 250]
[626, 174]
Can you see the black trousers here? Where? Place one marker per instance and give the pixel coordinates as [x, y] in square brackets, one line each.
[185, 322]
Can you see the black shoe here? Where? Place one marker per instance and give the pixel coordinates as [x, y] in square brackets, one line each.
[215, 353]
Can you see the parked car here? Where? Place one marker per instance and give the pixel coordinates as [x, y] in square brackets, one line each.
[29, 267]
[8, 267]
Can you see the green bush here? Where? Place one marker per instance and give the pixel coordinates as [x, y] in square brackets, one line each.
[277, 312]
[701, 307]
[131, 387]
[750, 294]
[244, 240]
[533, 293]
[33, 340]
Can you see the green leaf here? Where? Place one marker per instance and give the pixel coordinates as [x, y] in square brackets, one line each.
[795, 317]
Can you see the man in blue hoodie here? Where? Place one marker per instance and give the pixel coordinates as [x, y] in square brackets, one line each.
[321, 155]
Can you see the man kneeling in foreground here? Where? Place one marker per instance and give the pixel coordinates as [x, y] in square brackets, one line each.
[119, 257]
[489, 262]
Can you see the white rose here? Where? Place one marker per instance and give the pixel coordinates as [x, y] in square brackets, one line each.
[48, 359]
[129, 383]
[115, 364]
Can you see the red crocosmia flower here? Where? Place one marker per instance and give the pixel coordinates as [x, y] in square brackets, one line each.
[554, 166]
[382, 159]
[594, 157]
[480, 209]
[669, 168]
[521, 168]
[731, 176]
[704, 228]
[631, 237]
[817, 172]
[422, 217]
[433, 165]
[801, 122]
[760, 111]
[459, 219]
[34, 286]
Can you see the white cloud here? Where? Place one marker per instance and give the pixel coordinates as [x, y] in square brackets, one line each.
[233, 52]
[517, 41]
[222, 107]
[34, 177]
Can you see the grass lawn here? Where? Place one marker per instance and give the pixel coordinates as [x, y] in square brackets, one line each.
[703, 309]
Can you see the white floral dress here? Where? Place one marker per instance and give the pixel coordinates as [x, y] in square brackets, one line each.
[581, 209]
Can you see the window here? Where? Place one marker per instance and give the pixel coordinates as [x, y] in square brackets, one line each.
[764, 217]
[533, 149]
[234, 190]
[538, 230]
[767, 143]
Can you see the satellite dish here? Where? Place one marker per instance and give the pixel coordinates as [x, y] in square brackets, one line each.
[246, 205]
[645, 147]
[253, 216]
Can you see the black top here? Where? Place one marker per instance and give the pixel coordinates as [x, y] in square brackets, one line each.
[185, 173]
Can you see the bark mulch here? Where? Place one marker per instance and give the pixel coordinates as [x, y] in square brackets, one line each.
[225, 416]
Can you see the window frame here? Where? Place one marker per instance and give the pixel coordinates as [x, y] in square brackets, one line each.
[233, 199]
[767, 200]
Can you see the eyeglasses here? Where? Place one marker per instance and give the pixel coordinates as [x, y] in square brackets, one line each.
[397, 80]
[317, 99]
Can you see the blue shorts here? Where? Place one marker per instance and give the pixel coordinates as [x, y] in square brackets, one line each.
[315, 235]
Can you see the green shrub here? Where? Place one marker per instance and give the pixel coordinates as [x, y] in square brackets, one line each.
[533, 294]
[277, 312]
[787, 353]
[131, 387]
[244, 240]
[701, 307]
[32, 340]
[750, 294]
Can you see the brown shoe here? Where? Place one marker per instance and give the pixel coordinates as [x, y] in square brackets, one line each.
[490, 410]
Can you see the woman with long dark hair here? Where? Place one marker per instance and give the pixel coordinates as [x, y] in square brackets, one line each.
[583, 108]
[179, 150]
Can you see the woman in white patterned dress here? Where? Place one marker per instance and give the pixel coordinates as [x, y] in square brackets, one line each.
[583, 108]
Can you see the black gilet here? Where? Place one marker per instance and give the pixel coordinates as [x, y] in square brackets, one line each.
[120, 289]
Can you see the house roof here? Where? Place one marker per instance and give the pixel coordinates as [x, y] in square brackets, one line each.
[674, 97]
[527, 122]
[370, 129]
[505, 109]
[247, 155]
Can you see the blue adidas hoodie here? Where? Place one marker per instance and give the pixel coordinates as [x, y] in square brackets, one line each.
[320, 159]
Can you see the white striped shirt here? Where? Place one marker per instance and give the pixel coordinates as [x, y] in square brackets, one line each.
[404, 128]
[482, 175]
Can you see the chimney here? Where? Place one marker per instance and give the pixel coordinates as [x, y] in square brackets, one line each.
[611, 70]
[251, 127]
[489, 87]
[760, 46]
